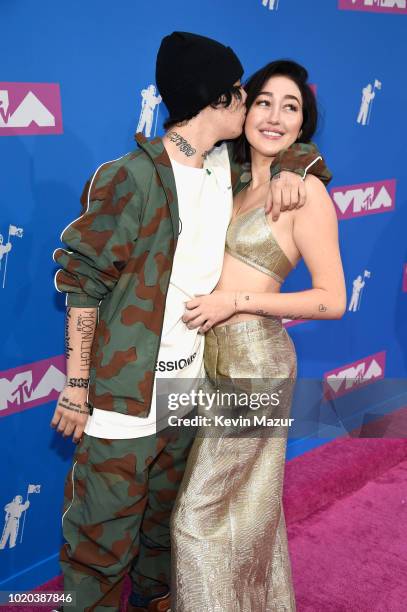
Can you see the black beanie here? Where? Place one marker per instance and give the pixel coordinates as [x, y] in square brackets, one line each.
[192, 71]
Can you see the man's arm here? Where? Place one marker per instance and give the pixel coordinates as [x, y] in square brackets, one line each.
[72, 411]
[100, 244]
[301, 159]
[288, 172]
[101, 240]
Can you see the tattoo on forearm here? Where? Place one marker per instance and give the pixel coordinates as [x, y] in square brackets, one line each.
[264, 313]
[184, 146]
[296, 317]
[86, 326]
[68, 347]
[78, 382]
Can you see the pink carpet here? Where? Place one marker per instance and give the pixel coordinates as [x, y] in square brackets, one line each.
[346, 510]
[353, 555]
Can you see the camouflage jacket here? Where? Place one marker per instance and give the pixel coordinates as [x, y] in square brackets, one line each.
[120, 259]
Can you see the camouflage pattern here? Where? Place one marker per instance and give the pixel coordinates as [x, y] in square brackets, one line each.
[294, 159]
[118, 500]
[298, 157]
[120, 258]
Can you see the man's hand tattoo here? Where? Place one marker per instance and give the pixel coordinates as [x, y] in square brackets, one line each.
[66, 403]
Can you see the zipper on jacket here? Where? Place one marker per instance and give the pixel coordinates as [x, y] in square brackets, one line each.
[161, 332]
[172, 263]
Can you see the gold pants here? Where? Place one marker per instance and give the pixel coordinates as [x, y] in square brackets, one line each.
[229, 542]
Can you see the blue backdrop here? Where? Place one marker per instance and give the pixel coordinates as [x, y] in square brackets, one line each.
[70, 99]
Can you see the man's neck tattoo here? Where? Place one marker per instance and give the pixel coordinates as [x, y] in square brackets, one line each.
[183, 144]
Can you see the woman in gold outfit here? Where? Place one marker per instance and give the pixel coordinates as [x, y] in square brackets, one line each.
[230, 550]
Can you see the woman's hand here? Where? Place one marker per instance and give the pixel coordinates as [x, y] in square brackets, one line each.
[205, 311]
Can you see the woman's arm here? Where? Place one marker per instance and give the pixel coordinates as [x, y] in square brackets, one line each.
[315, 233]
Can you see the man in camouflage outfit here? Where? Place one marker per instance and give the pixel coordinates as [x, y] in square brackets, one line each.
[124, 257]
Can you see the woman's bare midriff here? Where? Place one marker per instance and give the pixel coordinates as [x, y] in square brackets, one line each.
[240, 277]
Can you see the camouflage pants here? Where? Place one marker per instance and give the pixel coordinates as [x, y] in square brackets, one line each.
[119, 496]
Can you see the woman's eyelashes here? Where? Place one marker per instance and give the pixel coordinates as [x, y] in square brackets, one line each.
[267, 104]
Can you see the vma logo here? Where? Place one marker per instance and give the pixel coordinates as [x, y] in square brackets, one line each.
[31, 385]
[150, 107]
[357, 289]
[5, 249]
[30, 109]
[368, 95]
[375, 6]
[15, 509]
[364, 199]
[352, 376]
[272, 5]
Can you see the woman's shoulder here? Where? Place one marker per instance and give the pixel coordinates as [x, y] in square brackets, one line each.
[315, 185]
[317, 195]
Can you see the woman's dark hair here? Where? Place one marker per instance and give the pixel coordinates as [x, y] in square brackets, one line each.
[224, 100]
[299, 75]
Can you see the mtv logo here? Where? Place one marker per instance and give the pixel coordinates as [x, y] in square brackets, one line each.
[31, 385]
[30, 109]
[364, 199]
[352, 376]
[374, 6]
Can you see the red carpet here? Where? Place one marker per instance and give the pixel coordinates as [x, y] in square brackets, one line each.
[346, 511]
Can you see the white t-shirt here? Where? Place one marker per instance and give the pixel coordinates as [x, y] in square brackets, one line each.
[205, 207]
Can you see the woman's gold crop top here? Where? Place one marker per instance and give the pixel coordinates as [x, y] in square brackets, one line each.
[250, 239]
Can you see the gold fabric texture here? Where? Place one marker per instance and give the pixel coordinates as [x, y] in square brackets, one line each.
[250, 239]
[228, 531]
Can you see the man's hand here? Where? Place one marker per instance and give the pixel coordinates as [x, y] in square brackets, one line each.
[286, 192]
[71, 413]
